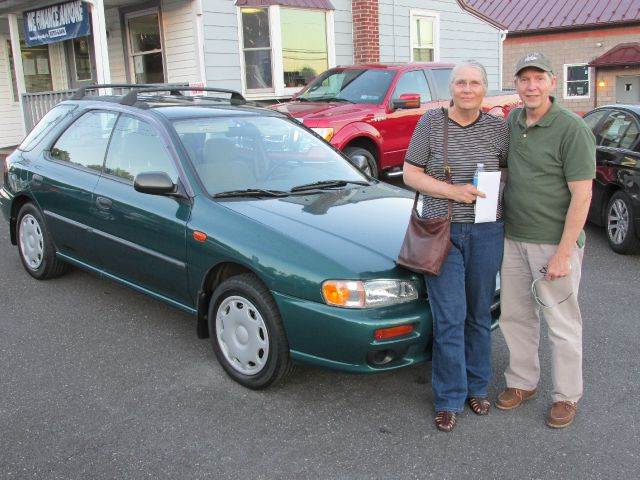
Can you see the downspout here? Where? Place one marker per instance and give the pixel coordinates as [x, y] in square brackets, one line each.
[200, 41]
[503, 37]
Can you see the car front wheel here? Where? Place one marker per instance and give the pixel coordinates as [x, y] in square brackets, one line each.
[247, 333]
[37, 252]
[621, 232]
[363, 157]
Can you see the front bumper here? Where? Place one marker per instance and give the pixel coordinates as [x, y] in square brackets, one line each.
[343, 339]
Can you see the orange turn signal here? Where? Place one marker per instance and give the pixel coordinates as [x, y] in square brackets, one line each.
[199, 236]
[393, 332]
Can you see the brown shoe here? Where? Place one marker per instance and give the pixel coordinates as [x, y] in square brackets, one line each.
[445, 421]
[479, 405]
[561, 414]
[511, 398]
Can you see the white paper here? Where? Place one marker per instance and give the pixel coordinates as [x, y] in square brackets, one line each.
[487, 208]
[42, 65]
[29, 66]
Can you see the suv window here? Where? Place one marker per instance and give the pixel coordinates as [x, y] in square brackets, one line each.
[84, 143]
[46, 123]
[357, 86]
[619, 130]
[442, 77]
[413, 82]
[136, 147]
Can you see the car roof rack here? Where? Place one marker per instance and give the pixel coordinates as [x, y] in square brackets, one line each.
[132, 97]
[81, 92]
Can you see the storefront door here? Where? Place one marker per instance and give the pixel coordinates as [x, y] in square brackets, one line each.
[81, 63]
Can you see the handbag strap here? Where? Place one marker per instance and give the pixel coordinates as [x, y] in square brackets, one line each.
[447, 169]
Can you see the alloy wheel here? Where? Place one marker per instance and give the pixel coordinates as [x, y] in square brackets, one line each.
[618, 221]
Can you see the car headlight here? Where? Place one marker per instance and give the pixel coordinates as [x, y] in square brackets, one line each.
[326, 133]
[368, 293]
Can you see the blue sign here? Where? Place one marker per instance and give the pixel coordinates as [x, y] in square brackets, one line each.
[56, 23]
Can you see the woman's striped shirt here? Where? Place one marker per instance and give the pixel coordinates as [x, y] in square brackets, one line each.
[484, 141]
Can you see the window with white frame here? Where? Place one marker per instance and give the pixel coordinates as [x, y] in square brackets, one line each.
[145, 46]
[424, 33]
[576, 81]
[284, 48]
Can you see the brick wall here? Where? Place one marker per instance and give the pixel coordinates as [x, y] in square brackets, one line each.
[366, 36]
[569, 48]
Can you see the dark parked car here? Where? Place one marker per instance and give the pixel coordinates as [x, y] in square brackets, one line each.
[616, 189]
[281, 248]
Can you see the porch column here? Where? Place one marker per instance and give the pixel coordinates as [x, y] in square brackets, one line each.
[100, 47]
[14, 32]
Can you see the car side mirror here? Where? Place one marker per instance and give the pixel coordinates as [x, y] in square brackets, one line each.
[154, 183]
[407, 100]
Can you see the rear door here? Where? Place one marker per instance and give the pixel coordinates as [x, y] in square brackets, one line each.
[63, 185]
[142, 236]
[398, 127]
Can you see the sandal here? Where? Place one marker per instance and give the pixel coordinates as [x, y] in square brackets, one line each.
[445, 421]
[479, 405]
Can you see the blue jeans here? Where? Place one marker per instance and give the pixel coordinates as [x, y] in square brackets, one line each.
[460, 299]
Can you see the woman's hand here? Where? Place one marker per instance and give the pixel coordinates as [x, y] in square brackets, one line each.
[466, 193]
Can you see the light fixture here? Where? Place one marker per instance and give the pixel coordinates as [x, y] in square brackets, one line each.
[602, 83]
[599, 44]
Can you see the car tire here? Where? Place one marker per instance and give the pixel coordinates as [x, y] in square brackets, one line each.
[620, 226]
[35, 245]
[352, 152]
[252, 347]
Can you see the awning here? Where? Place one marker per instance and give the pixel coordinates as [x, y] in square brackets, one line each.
[621, 55]
[318, 4]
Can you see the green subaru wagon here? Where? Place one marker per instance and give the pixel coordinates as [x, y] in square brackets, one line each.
[283, 250]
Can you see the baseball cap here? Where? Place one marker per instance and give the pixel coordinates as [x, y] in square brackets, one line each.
[535, 60]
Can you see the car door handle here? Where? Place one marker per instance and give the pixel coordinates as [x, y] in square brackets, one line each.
[104, 203]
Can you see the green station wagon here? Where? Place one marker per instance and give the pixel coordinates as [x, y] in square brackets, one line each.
[283, 250]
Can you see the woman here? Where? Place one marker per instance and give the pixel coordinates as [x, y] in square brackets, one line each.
[462, 294]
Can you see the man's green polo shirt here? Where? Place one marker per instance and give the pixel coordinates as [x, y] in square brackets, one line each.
[560, 148]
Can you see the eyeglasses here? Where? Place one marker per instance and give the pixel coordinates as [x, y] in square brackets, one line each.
[536, 296]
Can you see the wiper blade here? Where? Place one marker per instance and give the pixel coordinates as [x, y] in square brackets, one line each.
[336, 99]
[252, 192]
[327, 184]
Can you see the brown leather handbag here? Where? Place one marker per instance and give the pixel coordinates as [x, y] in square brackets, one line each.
[428, 240]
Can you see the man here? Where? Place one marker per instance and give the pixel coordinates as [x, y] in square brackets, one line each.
[551, 166]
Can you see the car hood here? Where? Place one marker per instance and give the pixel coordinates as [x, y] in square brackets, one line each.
[322, 110]
[359, 228]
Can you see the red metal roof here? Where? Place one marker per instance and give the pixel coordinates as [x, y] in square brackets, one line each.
[319, 4]
[519, 16]
[623, 54]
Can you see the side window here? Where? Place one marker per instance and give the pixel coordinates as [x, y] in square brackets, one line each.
[413, 82]
[84, 143]
[136, 147]
[593, 118]
[46, 123]
[619, 130]
[442, 77]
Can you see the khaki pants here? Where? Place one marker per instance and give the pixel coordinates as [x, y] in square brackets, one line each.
[520, 319]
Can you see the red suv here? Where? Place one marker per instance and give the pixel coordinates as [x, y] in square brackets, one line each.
[370, 111]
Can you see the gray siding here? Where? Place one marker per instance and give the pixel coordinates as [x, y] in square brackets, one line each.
[179, 32]
[11, 128]
[462, 36]
[222, 45]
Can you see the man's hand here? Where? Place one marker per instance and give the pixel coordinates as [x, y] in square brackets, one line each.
[559, 266]
[466, 193]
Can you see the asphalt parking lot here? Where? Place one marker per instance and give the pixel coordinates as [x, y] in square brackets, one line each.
[98, 381]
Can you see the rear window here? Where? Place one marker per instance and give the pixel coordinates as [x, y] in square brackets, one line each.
[44, 126]
[354, 86]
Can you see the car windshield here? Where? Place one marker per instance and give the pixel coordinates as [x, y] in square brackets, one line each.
[352, 85]
[260, 153]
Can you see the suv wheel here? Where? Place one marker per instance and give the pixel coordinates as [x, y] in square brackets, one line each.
[36, 248]
[621, 231]
[371, 167]
[247, 333]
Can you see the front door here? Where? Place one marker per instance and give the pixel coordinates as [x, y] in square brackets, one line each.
[399, 124]
[81, 65]
[142, 237]
[628, 89]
